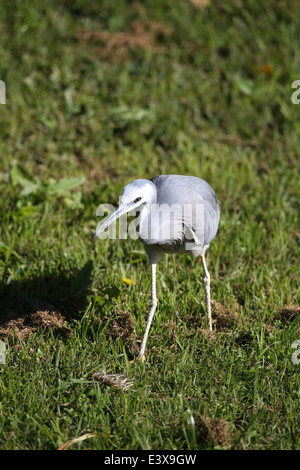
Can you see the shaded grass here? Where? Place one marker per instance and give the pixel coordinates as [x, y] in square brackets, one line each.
[113, 93]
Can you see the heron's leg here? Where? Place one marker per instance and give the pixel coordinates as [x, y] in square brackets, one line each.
[207, 291]
[141, 354]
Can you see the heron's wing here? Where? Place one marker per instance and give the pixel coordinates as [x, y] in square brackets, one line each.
[206, 224]
[200, 207]
[163, 225]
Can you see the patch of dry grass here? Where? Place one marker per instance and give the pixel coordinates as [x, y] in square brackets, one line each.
[43, 316]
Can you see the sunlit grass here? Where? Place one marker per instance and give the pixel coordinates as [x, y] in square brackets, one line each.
[206, 93]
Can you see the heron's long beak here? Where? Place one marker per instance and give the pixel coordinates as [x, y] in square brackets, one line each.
[122, 209]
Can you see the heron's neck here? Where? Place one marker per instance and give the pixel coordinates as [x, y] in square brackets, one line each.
[145, 218]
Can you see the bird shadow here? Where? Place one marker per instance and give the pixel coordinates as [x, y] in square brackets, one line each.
[61, 293]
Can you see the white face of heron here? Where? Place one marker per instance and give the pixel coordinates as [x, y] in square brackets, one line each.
[138, 192]
[135, 194]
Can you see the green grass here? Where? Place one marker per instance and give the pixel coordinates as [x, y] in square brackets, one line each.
[207, 92]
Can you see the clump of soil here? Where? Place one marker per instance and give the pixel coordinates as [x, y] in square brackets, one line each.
[225, 316]
[43, 316]
[115, 46]
[199, 4]
[213, 431]
[121, 325]
[288, 313]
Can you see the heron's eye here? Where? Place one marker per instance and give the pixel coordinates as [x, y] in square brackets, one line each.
[137, 200]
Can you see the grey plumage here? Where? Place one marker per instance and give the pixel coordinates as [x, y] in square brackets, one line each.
[179, 189]
[177, 214]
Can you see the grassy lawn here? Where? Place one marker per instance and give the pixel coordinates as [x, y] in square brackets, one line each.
[99, 93]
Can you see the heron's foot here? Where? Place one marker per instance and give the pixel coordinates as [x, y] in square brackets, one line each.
[141, 358]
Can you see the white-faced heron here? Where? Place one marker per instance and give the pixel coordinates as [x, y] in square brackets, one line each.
[176, 214]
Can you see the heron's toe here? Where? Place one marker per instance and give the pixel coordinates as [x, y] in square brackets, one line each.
[141, 357]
